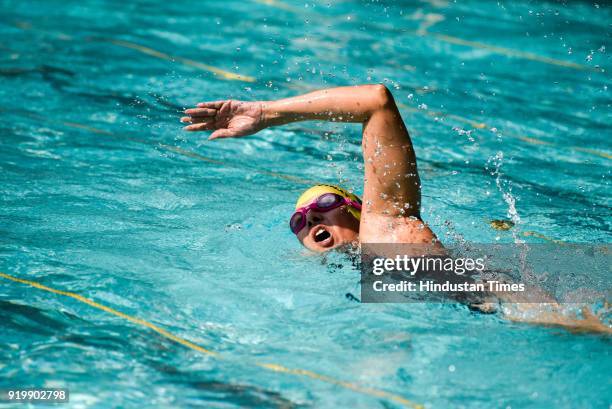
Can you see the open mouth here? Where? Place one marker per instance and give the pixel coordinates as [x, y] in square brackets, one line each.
[321, 235]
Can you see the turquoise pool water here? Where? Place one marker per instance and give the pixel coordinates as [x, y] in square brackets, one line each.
[103, 195]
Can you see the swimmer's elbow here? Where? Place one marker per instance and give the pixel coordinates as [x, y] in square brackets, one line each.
[381, 97]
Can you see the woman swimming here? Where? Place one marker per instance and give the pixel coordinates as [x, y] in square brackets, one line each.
[326, 216]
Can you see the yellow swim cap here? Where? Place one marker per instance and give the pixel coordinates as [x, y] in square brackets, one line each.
[317, 190]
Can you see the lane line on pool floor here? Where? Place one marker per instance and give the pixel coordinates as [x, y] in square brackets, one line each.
[219, 72]
[508, 52]
[481, 125]
[273, 367]
[531, 233]
[110, 310]
[186, 61]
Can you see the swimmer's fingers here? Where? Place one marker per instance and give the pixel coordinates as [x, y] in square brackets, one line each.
[211, 105]
[204, 126]
[201, 112]
[588, 314]
[197, 119]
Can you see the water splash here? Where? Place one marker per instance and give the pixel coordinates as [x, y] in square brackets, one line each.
[505, 188]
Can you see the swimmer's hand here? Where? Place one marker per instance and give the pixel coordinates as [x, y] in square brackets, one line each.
[228, 119]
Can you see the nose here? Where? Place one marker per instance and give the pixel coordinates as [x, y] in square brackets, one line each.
[313, 218]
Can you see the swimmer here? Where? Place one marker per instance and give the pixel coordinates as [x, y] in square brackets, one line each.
[328, 217]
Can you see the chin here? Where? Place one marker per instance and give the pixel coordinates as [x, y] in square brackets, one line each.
[345, 247]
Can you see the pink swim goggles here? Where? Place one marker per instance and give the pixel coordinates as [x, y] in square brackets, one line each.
[322, 204]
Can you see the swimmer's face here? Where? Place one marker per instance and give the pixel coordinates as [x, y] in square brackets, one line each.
[327, 230]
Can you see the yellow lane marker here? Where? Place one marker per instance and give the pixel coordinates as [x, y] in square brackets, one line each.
[593, 152]
[534, 141]
[24, 25]
[440, 114]
[188, 344]
[542, 236]
[110, 310]
[508, 51]
[85, 127]
[196, 64]
[473, 124]
[347, 385]
[504, 225]
[482, 125]
[280, 5]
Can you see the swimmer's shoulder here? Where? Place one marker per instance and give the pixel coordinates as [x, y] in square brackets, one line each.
[375, 228]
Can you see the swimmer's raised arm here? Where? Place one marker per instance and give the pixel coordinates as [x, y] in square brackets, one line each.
[391, 182]
[343, 104]
[233, 118]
